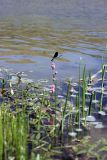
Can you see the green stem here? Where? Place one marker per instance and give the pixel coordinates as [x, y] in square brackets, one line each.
[90, 105]
[65, 106]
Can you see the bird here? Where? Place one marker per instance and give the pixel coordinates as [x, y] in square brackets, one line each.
[55, 56]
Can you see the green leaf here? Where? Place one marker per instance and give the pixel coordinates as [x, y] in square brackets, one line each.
[38, 157]
[38, 136]
[103, 149]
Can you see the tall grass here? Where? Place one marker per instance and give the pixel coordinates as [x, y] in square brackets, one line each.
[83, 92]
[14, 132]
[65, 107]
[102, 87]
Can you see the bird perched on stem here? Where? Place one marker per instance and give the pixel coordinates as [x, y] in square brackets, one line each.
[55, 56]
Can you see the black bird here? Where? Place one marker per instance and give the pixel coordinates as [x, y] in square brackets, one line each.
[55, 56]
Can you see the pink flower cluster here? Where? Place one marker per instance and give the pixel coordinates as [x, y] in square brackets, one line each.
[52, 88]
[53, 66]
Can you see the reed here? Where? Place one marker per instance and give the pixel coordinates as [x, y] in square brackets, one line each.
[65, 107]
[102, 88]
[90, 105]
[83, 92]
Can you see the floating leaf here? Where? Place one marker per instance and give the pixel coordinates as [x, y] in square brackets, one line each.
[60, 96]
[95, 101]
[90, 118]
[102, 113]
[72, 134]
[79, 129]
[73, 95]
[87, 93]
[43, 81]
[99, 125]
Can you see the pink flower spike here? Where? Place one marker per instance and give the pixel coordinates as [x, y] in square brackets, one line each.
[52, 88]
[53, 66]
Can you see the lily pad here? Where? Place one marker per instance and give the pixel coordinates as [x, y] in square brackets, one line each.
[72, 134]
[90, 118]
[102, 113]
[78, 129]
[99, 125]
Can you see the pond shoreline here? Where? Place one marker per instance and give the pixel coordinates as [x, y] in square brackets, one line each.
[43, 119]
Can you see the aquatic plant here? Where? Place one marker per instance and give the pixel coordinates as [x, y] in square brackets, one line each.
[102, 87]
[37, 118]
[64, 108]
[86, 149]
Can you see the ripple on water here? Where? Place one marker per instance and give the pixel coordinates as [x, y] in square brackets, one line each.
[39, 49]
[5, 50]
[37, 38]
[18, 40]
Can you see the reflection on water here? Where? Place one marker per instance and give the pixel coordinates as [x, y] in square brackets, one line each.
[31, 46]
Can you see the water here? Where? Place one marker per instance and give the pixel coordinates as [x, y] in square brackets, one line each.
[30, 46]
[32, 31]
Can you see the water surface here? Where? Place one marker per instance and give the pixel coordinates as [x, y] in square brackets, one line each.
[31, 31]
[30, 46]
